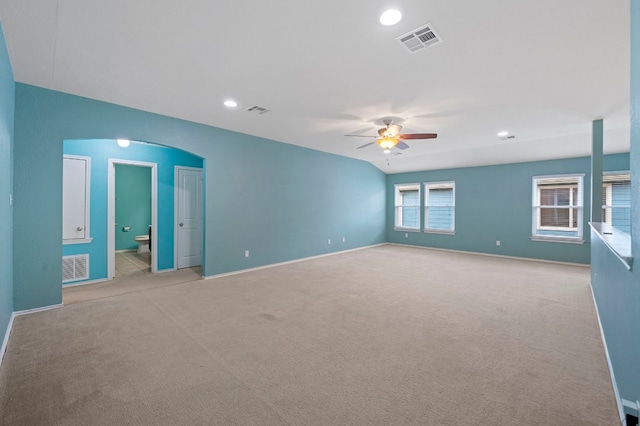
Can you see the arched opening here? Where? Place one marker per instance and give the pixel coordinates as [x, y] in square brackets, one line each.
[113, 231]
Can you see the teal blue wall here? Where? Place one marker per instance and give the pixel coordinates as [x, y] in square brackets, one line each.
[494, 203]
[133, 204]
[616, 289]
[7, 101]
[281, 202]
[100, 151]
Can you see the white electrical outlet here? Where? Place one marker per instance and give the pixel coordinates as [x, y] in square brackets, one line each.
[329, 241]
[344, 239]
[497, 242]
[246, 253]
[406, 235]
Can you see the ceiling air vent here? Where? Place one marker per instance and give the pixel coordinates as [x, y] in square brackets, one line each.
[420, 38]
[257, 109]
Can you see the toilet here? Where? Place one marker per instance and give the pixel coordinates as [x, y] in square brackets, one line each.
[143, 243]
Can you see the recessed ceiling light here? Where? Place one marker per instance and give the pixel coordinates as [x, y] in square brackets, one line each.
[387, 151]
[390, 17]
[230, 103]
[123, 142]
[503, 134]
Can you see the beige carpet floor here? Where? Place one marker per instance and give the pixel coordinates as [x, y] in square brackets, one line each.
[383, 336]
[128, 284]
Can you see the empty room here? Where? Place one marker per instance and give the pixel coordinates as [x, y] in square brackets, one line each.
[320, 213]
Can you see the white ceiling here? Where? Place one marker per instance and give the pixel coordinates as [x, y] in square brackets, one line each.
[542, 70]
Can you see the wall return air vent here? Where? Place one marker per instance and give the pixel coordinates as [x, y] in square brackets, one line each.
[420, 38]
[75, 268]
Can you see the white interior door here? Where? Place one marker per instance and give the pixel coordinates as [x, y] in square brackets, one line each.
[189, 217]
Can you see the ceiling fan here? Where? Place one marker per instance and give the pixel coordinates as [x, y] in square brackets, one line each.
[390, 136]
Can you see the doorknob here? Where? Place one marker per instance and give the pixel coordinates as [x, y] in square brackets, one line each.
[79, 228]
[181, 224]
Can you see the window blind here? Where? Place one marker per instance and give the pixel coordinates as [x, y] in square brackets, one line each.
[407, 206]
[557, 206]
[440, 206]
[616, 200]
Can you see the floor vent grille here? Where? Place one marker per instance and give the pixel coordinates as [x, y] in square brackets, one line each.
[420, 38]
[75, 268]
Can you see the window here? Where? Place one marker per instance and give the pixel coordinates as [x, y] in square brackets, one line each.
[616, 200]
[557, 208]
[439, 207]
[407, 206]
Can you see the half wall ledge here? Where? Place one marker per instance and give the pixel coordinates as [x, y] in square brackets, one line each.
[619, 242]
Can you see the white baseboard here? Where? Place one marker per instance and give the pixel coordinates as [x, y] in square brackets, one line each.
[529, 259]
[101, 280]
[5, 341]
[606, 352]
[98, 281]
[34, 310]
[104, 280]
[273, 265]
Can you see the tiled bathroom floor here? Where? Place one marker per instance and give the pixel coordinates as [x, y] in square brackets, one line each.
[132, 263]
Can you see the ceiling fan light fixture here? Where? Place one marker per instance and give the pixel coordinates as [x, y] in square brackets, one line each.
[390, 17]
[387, 143]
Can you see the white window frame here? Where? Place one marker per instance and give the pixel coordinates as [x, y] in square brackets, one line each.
[607, 191]
[428, 186]
[550, 181]
[399, 188]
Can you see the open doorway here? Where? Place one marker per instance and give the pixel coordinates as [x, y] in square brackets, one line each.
[132, 213]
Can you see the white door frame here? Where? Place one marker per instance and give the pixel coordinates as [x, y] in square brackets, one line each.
[111, 216]
[176, 191]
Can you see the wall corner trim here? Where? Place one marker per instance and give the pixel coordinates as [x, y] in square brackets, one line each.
[5, 341]
[606, 352]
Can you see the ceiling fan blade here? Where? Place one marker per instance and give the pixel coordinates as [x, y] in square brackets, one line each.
[402, 145]
[362, 136]
[418, 136]
[366, 145]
